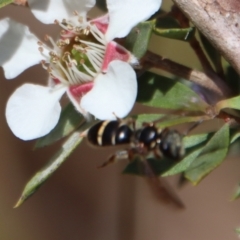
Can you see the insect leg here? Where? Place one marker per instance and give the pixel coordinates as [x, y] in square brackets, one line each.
[119, 155]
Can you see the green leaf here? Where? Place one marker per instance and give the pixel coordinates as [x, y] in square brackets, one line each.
[212, 155]
[213, 54]
[160, 166]
[228, 103]
[237, 230]
[183, 34]
[147, 118]
[134, 168]
[40, 177]
[168, 27]
[191, 141]
[165, 120]
[183, 164]
[3, 3]
[138, 39]
[235, 136]
[176, 120]
[236, 195]
[137, 167]
[69, 120]
[162, 92]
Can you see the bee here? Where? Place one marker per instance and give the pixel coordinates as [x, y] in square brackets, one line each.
[147, 139]
[141, 142]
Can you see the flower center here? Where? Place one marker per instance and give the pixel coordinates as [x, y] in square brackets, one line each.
[77, 57]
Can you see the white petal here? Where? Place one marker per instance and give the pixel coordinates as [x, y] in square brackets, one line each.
[126, 14]
[113, 93]
[47, 11]
[18, 48]
[33, 110]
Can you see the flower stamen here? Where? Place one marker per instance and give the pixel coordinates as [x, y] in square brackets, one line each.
[77, 57]
[93, 74]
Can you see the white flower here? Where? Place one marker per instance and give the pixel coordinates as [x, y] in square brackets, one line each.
[86, 63]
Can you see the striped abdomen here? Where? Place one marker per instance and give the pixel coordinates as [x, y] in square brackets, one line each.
[109, 133]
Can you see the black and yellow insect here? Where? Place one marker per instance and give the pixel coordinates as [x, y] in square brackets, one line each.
[161, 142]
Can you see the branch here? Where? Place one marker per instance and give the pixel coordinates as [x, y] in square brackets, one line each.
[211, 82]
[219, 21]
